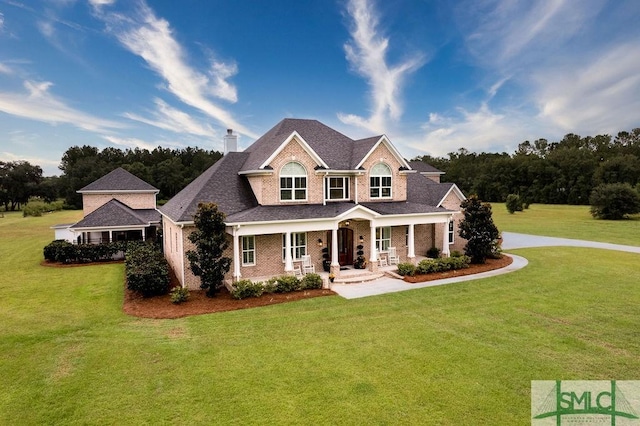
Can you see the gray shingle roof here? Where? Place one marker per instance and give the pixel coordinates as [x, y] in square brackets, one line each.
[115, 213]
[423, 167]
[119, 180]
[422, 190]
[219, 184]
[290, 212]
[338, 151]
[403, 207]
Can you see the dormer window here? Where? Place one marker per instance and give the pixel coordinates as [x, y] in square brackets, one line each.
[380, 181]
[293, 182]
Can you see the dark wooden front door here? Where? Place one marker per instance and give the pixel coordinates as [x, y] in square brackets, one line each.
[345, 246]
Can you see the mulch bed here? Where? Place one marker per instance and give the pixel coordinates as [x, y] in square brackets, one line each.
[198, 303]
[490, 265]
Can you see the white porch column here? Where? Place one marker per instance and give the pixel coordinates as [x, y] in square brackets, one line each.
[236, 256]
[445, 239]
[372, 244]
[334, 247]
[288, 261]
[411, 243]
[110, 235]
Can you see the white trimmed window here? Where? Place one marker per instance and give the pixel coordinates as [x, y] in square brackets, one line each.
[293, 182]
[337, 188]
[383, 238]
[380, 181]
[248, 250]
[451, 233]
[298, 245]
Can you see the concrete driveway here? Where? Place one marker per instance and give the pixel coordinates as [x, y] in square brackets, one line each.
[511, 240]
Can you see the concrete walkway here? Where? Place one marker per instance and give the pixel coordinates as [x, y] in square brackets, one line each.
[510, 241]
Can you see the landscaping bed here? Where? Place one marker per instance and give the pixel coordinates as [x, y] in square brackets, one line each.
[490, 265]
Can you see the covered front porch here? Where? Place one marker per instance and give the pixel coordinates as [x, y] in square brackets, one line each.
[359, 242]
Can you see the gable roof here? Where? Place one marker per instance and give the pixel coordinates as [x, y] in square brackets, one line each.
[117, 214]
[422, 190]
[328, 146]
[119, 180]
[219, 184]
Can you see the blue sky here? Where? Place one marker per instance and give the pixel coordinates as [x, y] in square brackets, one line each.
[434, 76]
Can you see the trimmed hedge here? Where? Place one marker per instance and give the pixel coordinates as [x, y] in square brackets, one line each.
[64, 252]
[246, 288]
[283, 284]
[147, 270]
[428, 266]
[310, 282]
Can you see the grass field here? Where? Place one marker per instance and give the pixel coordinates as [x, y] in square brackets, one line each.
[567, 222]
[457, 354]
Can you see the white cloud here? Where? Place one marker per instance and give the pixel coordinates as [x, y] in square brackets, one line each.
[4, 69]
[169, 118]
[130, 142]
[152, 39]
[40, 105]
[366, 53]
[47, 164]
[594, 95]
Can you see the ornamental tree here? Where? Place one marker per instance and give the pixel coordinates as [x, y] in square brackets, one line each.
[207, 260]
[478, 229]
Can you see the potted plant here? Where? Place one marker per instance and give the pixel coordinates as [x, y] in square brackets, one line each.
[360, 262]
[326, 262]
[332, 277]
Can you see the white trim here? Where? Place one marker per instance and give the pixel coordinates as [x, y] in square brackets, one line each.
[264, 172]
[346, 183]
[243, 250]
[454, 188]
[394, 151]
[305, 146]
[120, 191]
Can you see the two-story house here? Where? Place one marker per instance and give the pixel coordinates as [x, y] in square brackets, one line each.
[303, 187]
[117, 207]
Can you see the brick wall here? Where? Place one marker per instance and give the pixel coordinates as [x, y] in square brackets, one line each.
[398, 181]
[91, 202]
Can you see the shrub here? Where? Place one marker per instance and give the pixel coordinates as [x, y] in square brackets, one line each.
[310, 282]
[406, 269]
[59, 251]
[270, 285]
[286, 284]
[514, 203]
[246, 288]
[614, 201]
[456, 253]
[433, 253]
[427, 266]
[179, 294]
[147, 270]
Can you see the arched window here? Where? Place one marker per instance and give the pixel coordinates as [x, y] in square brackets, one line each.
[293, 182]
[380, 181]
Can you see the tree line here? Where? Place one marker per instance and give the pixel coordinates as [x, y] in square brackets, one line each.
[564, 172]
[169, 170]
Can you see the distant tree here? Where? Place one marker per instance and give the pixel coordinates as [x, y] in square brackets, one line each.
[478, 229]
[514, 203]
[623, 168]
[209, 237]
[19, 180]
[614, 201]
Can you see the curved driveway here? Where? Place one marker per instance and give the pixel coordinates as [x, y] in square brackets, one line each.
[511, 240]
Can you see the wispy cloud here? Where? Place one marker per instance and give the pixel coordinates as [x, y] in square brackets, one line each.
[152, 38]
[129, 142]
[168, 118]
[366, 53]
[37, 103]
[46, 163]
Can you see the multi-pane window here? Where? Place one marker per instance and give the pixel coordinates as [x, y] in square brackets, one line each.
[248, 250]
[293, 182]
[383, 238]
[451, 233]
[337, 188]
[298, 245]
[380, 181]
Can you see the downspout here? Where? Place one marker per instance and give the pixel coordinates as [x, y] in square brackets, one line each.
[184, 283]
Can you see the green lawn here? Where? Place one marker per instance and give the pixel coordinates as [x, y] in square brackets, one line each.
[567, 222]
[456, 354]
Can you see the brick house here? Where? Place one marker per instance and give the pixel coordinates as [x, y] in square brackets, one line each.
[304, 189]
[117, 207]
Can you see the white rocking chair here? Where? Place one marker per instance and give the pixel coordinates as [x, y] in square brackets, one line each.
[307, 266]
[297, 271]
[382, 261]
[394, 259]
